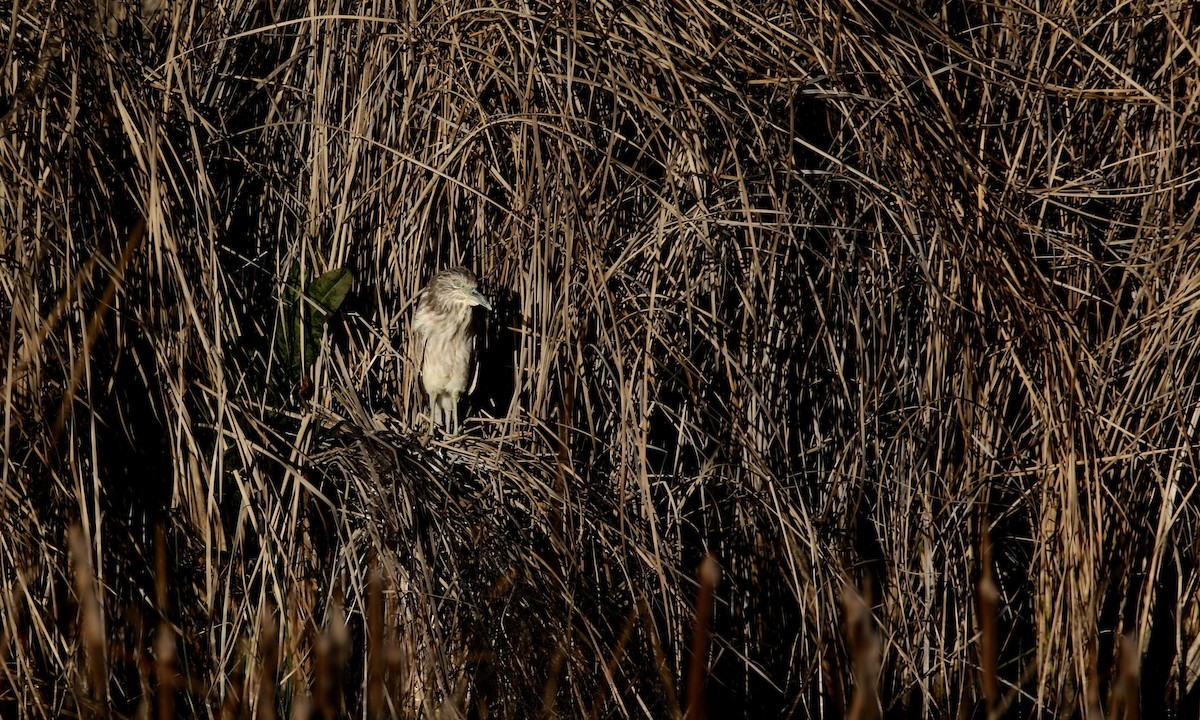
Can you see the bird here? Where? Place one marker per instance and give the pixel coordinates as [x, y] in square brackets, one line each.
[444, 325]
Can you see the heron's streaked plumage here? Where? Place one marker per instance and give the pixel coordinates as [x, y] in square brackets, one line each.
[445, 330]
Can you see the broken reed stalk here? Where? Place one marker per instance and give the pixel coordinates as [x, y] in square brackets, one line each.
[988, 599]
[268, 665]
[865, 652]
[164, 641]
[1124, 702]
[376, 640]
[91, 622]
[332, 649]
[709, 574]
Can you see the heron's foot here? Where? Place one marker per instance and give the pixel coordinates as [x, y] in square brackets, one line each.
[434, 418]
[454, 426]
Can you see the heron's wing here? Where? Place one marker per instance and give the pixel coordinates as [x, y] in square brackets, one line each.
[419, 330]
[474, 362]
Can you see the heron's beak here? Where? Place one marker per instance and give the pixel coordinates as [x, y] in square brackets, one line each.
[480, 299]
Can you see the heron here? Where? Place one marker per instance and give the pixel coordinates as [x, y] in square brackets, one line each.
[443, 322]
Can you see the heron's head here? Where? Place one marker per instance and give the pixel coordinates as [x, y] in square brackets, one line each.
[458, 286]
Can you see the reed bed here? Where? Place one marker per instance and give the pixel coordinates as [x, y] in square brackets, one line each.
[842, 361]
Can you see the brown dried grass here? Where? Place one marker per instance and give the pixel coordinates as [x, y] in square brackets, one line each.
[843, 294]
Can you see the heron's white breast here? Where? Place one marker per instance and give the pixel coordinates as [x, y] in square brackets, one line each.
[446, 365]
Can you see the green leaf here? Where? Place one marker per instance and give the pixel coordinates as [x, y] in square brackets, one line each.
[326, 294]
[300, 339]
[330, 289]
[287, 336]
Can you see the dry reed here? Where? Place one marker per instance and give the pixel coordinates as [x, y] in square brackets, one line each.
[841, 294]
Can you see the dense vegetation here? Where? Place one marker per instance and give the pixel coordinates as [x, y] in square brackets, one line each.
[887, 309]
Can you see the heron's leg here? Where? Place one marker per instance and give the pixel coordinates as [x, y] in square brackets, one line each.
[454, 412]
[434, 414]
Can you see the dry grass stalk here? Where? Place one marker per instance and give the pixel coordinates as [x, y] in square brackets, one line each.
[865, 652]
[375, 640]
[697, 702]
[268, 666]
[91, 625]
[1124, 700]
[988, 608]
[800, 284]
[165, 672]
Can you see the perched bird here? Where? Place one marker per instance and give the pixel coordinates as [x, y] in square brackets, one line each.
[444, 326]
